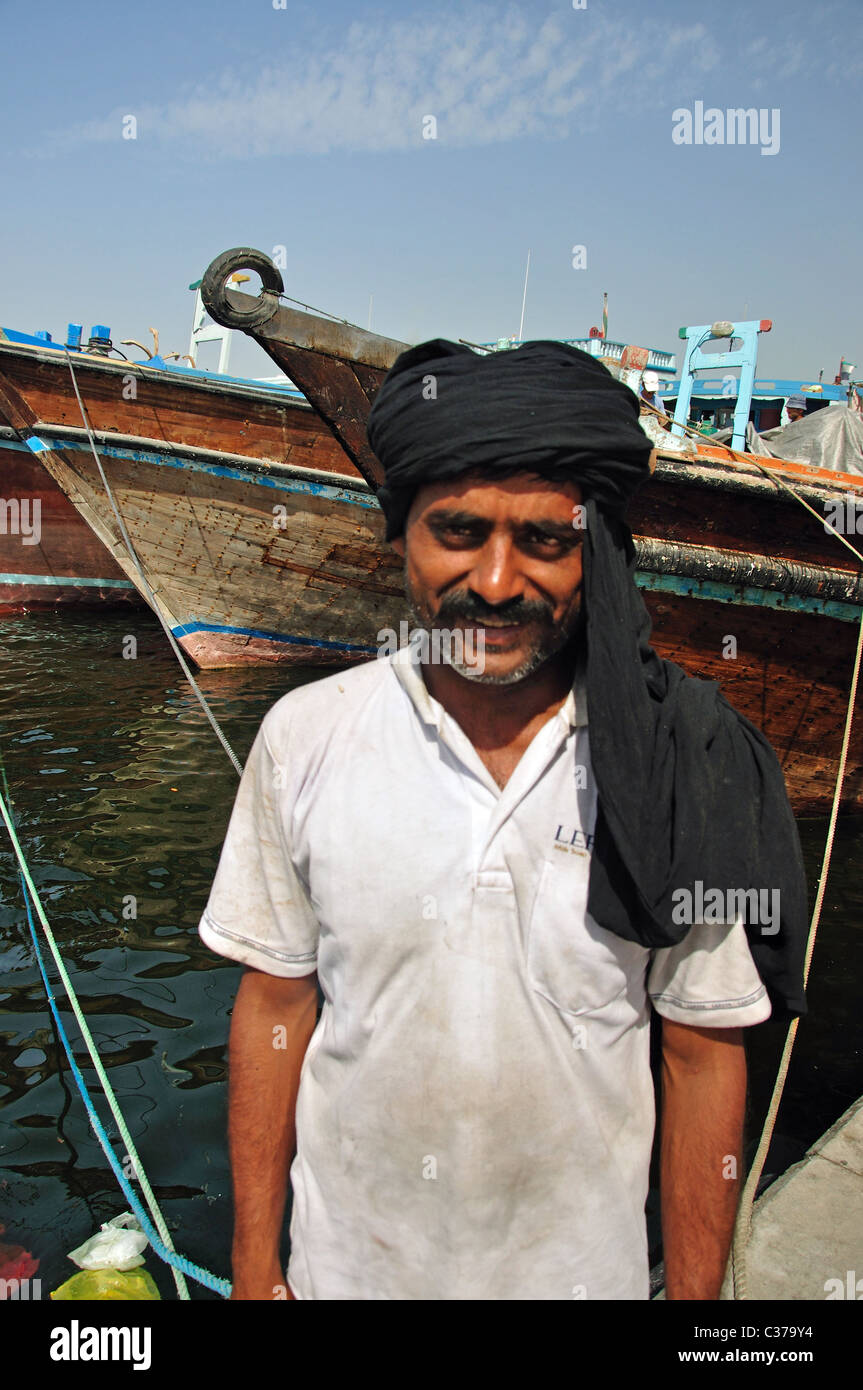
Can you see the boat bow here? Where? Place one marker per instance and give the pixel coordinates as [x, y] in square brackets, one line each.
[336, 365]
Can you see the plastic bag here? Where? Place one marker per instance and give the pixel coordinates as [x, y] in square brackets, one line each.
[108, 1284]
[117, 1246]
[110, 1266]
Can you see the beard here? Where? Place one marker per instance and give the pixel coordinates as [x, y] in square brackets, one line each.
[547, 640]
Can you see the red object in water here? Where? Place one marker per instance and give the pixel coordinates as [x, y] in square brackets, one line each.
[15, 1263]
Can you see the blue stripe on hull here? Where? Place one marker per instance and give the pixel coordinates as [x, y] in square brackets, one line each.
[745, 596]
[188, 629]
[68, 580]
[217, 470]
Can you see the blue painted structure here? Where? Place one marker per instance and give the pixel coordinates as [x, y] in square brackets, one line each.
[720, 388]
[695, 359]
[750, 395]
[716, 395]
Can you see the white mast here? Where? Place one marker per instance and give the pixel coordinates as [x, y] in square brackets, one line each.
[524, 296]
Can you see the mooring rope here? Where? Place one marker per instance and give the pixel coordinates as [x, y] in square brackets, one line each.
[736, 457]
[743, 1224]
[238, 768]
[828, 525]
[156, 1231]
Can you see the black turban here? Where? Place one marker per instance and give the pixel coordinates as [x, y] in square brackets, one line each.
[444, 410]
[689, 791]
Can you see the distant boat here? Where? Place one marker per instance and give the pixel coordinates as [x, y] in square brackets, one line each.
[173, 434]
[259, 559]
[711, 399]
[50, 555]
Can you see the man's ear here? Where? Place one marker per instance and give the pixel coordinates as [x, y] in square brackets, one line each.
[398, 545]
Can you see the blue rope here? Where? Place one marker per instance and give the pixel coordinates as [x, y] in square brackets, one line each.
[202, 1276]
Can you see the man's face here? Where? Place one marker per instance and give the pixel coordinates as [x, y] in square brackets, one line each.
[503, 558]
[794, 413]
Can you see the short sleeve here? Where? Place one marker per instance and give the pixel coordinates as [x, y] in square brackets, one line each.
[258, 911]
[708, 979]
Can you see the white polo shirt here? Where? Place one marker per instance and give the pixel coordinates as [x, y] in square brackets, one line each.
[475, 1114]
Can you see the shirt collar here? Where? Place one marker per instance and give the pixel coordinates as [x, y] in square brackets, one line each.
[408, 670]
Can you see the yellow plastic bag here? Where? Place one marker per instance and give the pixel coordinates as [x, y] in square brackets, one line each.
[91, 1285]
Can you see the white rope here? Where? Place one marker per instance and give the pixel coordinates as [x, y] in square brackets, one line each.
[828, 525]
[145, 582]
[737, 457]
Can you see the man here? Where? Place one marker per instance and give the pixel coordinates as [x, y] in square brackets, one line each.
[795, 409]
[481, 865]
[650, 391]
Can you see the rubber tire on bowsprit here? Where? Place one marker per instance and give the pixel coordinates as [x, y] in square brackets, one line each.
[213, 288]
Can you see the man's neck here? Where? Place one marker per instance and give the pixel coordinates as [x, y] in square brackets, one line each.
[498, 717]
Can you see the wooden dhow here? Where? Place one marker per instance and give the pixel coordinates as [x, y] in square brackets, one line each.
[258, 558]
[187, 452]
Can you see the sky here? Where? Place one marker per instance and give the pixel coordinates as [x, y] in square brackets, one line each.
[414, 153]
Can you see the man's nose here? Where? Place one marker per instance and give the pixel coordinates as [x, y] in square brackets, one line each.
[496, 574]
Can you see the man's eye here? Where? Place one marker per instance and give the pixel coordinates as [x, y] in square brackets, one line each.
[458, 533]
[541, 538]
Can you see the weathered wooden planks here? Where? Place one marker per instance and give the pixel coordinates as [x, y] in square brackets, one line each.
[135, 406]
[173, 409]
[281, 555]
[790, 675]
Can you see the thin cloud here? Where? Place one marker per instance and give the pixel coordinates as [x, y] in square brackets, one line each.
[486, 77]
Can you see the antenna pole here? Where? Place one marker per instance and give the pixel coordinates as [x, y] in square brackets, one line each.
[524, 296]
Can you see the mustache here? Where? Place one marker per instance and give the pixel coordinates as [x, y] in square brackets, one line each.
[469, 606]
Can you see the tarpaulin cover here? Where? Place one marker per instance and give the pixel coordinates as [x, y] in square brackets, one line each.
[828, 438]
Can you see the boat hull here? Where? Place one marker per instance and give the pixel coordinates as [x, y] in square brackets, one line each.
[68, 564]
[790, 675]
[49, 556]
[248, 563]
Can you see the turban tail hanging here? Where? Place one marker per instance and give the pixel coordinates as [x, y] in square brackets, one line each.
[689, 791]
